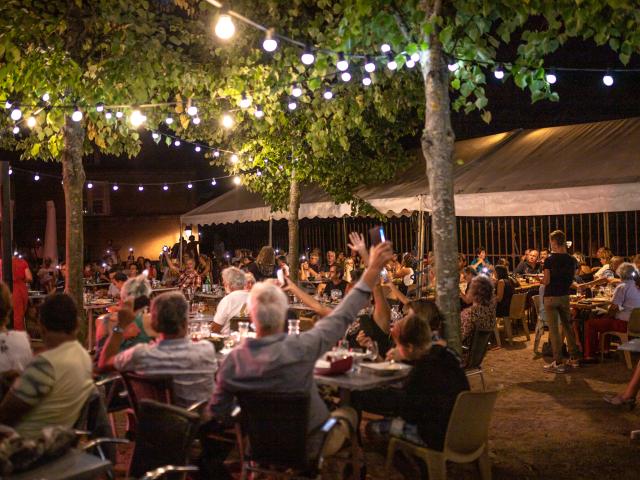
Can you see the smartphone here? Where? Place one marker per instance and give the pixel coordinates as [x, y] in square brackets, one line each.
[376, 235]
[165, 249]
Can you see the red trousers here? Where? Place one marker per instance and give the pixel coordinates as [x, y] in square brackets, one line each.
[594, 327]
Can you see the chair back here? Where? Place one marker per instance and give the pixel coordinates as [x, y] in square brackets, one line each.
[148, 387]
[468, 427]
[164, 436]
[276, 427]
[479, 346]
[633, 328]
[518, 302]
[94, 419]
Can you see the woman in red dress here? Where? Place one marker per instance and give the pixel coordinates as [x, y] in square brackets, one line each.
[21, 276]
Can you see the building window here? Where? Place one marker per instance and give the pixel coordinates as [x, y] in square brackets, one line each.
[98, 199]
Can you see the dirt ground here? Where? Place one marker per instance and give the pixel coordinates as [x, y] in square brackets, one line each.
[548, 426]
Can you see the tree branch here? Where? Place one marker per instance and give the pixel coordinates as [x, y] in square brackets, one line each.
[401, 24]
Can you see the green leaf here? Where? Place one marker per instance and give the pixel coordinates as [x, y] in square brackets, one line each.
[486, 116]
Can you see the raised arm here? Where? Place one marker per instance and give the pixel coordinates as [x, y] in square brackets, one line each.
[381, 309]
[307, 299]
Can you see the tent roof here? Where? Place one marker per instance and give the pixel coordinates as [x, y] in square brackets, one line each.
[590, 167]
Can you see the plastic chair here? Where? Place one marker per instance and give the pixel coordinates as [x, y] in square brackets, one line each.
[516, 312]
[275, 426]
[466, 439]
[479, 346]
[633, 330]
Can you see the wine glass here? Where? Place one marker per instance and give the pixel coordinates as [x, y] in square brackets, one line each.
[372, 350]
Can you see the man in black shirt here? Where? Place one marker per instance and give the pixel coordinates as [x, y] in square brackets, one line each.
[529, 266]
[559, 270]
[336, 284]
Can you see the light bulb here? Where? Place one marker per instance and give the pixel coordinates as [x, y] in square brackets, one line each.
[216, 153]
[213, 182]
[197, 149]
[270, 43]
[227, 121]
[119, 114]
[189, 185]
[115, 187]
[410, 63]
[453, 66]
[385, 48]
[10, 171]
[100, 107]
[76, 116]
[168, 120]
[346, 76]
[296, 91]
[155, 136]
[31, 122]
[258, 173]
[245, 102]
[192, 110]
[137, 118]
[307, 57]
[16, 114]
[415, 57]
[108, 115]
[16, 130]
[177, 143]
[225, 28]
[237, 180]
[369, 66]
[140, 188]
[46, 97]
[165, 187]
[607, 80]
[258, 112]
[342, 63]
[89, 185]
[234, 158]
[196, 121]
[366, 80]
[292, 105]
[551, 78]
[499, 74]
[328, 94]
[7, 104]
[391, 63]
[36, 177]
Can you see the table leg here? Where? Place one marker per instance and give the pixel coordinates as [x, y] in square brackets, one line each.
[90, 329]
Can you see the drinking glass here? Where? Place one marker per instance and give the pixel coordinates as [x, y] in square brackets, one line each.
[372, 350]
[243, 329]
[294, 327]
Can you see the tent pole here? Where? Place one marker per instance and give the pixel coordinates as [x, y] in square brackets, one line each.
[271, 230]
[180, 244]
[7, 233]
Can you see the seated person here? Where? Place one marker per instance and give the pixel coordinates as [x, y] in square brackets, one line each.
[191, 364]
[15, 349]
[625, 298]
[480, 264]
[606, 276]
[137, 290]
[584, 271]
[504, 291]
[468, 274]
[404, 275]
[234, 302]
[117, 280]
[481, 314]
[530, 266]
[604, 255]
[55, 386]
[628, 397]
[249, 281]
[336, 287]
[277, 362]
[423, 406]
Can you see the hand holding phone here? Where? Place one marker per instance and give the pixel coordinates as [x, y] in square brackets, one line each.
[376, 235]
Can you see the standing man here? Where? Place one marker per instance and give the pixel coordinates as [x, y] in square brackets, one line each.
[559, 269]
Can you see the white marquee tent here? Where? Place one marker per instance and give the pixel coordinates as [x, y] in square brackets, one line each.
[585, 168]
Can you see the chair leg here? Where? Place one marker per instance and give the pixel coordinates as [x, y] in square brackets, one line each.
[496, 332]
[391, 450]
[508, 331]
[484, 465]
[482, 380]
[602, 338]
[525, 326]
[627, 359]
[436, 465]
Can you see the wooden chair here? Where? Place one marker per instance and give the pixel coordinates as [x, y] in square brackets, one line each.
[516, 313]
[633, 330]
[466, 439]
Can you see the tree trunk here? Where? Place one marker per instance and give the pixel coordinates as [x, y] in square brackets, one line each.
[292, 224]
[74, 177]
[437, 146]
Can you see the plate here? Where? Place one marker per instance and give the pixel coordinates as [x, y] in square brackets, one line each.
[385, 368]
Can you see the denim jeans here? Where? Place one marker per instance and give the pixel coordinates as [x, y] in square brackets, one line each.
[558, 316]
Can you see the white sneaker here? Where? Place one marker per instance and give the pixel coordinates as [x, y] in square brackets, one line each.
[554, 367]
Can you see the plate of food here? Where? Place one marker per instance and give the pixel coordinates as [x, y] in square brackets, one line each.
[385, 368]
[333, 366]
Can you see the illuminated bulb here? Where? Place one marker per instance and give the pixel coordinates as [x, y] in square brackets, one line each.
[385, 48]
[307, 57]
[453, 67]
[270, 43]
[189, 185]
[245, 102]
[216, 153]
[108, 115]
[410, 63]
[196, 121]
[7, 104]
[115, 187]
[227, 121]
[346, 76]
[46, 97]
[225, 28]
[177, 143]
[292, 105]
[258, 112]
[16, 130]
[415, 57]
[165, 188]
[16, 114]
[258, 173]
[237, 180]
[234, 158]
[36, 177]
[366, 80]
[76, 116]
[296, 91]
[155, 136]
[213, 182]
[391, 64]
[499, 74]
[31, 122]
[369, 66]
[197, 149]
[119, 114]
[192, 110]
[10, 171]
[328, 94]
[342, 63]
[137, 118]
[140, 188]
[607, 80]
[100, 107]
[168, 120]
[89, 185]
[551, 78]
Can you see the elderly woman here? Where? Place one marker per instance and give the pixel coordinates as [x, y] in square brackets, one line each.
[235, 301]
[481, 315]
[626, 297]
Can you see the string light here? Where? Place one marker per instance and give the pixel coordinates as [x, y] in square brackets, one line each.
[99, 107]
[245, 102]
[328, 94]
[296, 91]
[216, 153]
[10, 171]
[551, 77]
[234, 158]
[270, 43]
[89, 185]
[196, 121]
[76, 116]
[7, 104]
[108, 115]
[168, 120]
[415, 57]
[409, 62]
[346, 76]
[165, 187]
[36, 177]
[176, 142]
[46, 97]
[213, 182]
[189, 185]
[140, 188]
[31, 122]
[498, 73]
[115, 187]
[453, 66]
[342, 63]
[258, 112]
[155, 136]
[307, 57]
[192, 111]
[119, 114]
[607, 80]
[16, 114]
[237, 180]
[385, 48]
[225, 28]
[292, 105]
[137, 118]
[391, 62]
[369, 66]
[366, 80]
[197, 149]
[16, 130]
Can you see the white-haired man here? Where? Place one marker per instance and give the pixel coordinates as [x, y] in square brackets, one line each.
[277, 362]
[234, 281]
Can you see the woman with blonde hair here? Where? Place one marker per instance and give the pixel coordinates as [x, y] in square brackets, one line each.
[264, 265]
